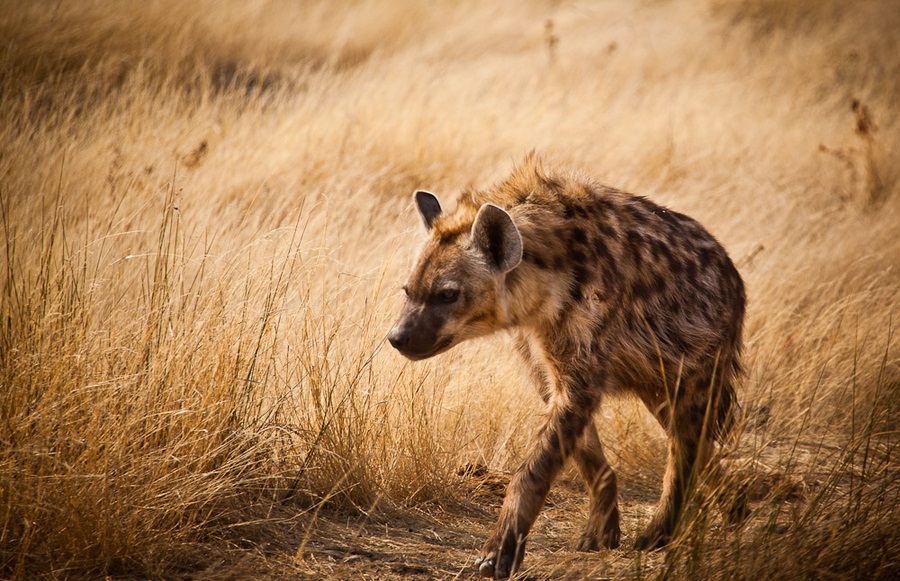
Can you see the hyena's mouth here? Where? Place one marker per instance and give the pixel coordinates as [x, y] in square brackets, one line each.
[420, 355]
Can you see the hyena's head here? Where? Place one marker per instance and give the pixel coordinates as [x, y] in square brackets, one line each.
[457, 289]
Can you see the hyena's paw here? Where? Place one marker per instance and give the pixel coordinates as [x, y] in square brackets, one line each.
[500, 558]
[652, 539]
[486, 565]
[608, 538]
[602, 531]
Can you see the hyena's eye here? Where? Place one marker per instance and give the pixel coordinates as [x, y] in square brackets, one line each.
[448, 295]
[406, 291]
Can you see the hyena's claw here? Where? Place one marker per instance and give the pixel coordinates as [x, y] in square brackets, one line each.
[485, 565]
[500, 563]
[490, 568]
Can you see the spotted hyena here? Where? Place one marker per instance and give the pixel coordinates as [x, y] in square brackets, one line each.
[606, 293]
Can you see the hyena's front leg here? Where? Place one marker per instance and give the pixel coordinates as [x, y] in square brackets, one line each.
[504, 549]
[603, 518]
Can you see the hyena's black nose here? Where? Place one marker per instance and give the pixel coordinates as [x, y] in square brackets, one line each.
[398, 338]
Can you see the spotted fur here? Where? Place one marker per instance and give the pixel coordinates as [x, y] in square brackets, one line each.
[606, 293]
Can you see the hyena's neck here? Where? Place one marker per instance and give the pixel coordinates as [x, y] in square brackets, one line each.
[535, 300]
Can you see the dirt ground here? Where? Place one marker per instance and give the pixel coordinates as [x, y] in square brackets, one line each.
[442, 542]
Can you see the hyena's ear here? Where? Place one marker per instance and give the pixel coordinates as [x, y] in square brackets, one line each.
[428, 206]
[495, 234]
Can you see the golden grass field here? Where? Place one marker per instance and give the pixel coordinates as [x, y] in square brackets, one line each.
[207, 218]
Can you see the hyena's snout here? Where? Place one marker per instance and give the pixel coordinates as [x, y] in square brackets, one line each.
[417, 337]
[399, 338]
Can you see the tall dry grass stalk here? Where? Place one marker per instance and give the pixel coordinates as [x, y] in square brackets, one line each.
[206, 217]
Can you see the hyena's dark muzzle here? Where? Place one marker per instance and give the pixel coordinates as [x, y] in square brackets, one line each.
[417, 334]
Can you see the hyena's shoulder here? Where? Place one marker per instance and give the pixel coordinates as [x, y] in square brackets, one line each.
[566, 221]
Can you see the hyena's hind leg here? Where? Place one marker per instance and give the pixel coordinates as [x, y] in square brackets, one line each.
[603, 518]
[692, 432]
[731, 495]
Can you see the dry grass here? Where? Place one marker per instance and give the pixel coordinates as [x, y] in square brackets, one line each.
[206, 218]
